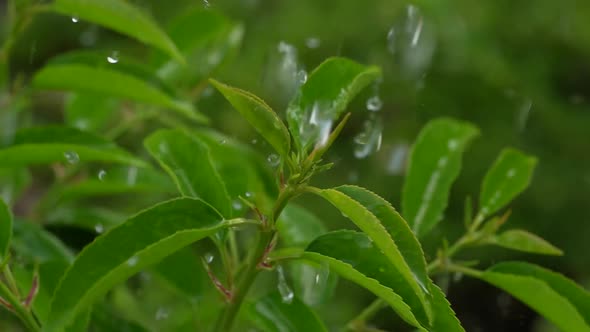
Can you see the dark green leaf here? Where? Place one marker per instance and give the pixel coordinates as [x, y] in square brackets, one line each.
[297, 226]
[370, 224]
[111, 83]
[552, 296]
[327, 91]
[187, 161]
[524, 241]
[434, 164]
[5, 230]
[112, 257]
[206, 38]
[508, 177]
[184, 271]
[271, 314]
[38, 145]
[122, 17]
[444, 319]
[355, 257]
[259, 115]
[90, 112]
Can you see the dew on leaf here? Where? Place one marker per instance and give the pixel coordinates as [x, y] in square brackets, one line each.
[102, 174]
[209, 257]
[374, 103]
[98, 228]
[132, 261]
[113, 57]
[75, 19]
[273, 160]
[72, 157]
[284, 288]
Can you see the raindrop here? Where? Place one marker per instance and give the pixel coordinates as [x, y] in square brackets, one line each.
[369, 140]
[523, 114]
[223, 141]
[316, 129]
[209, 258]
[511, 173]
[254, 141]
[113, 58]
[102, 174]
[75, 19]
[301, 76]
[248, 194]
[99, 228]
[131, 176]
[397, 159]
[313, 42]
[273, 159]
[72, 157]
[374, 103]
[453, 144]
[237, 205]
[391, 40]
[442, 162]
[284, 289]
[132, 261]
[162, 313]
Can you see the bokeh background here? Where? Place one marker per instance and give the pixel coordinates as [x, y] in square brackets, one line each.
[519, 70]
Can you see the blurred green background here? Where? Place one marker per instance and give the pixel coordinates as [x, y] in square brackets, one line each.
[519, 70]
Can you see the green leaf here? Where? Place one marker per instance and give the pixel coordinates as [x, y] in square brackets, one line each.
[444, 318]
[434, 164]
[112, 258]
[206, 38]
[90, 112]
[297, 227]
[524, 241]
[122, 17]
[349, 200]
[92, 218]
[553, 296]
[508, 177]
[271, 314]
[13, 183]
[5, 230]
[105, 319]
[259, 115]
[328, 90]
[187, 161]
[48, 144]
[111, 83]
[184, 271]
[353, 256]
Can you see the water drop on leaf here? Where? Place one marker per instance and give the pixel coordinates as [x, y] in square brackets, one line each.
[99, 228]
[132, 261]
[284, 289]
[113, 58]
[273, 159]
[209, 257]
[75, 19]
[374, 104]
[369, 140]
[72, 157]
[102, 174]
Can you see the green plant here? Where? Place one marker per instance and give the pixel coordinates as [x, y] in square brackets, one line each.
[236, 207]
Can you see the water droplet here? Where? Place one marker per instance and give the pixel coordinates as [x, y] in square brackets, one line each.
[369, 140]
[442, 162]
[391, 40]
[316, 129]
[301, 76]
[72, 157]
[132, 261]
[248, 194]
[99, 228]
[237, 205]
[254, 141]
[162, 313]
[453, 144]
[511, 173]
[523, 114]
[273, 159]
[209, 257]
[113, 58]
[223, 141]
[131, 175]
[102, 174]
[284, 289]
[374, 103]
[75, 19]
[397, 159]
[313, 42]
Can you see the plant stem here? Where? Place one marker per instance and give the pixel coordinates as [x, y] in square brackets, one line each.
[227, 318]
[23, 313]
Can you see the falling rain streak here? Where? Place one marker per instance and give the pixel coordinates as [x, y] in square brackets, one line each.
[284, 288]
[368, 141]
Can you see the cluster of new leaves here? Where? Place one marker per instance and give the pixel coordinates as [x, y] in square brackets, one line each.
[213, 181]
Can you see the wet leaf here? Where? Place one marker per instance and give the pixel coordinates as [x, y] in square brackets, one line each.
[524, 241]
[330, 87]
[187, 160]
[553, 296]
[48, 144]
[122, 17]
[90, 112]
[353, 256]
[156, 232]
[444, 318]
[434, 164]
[111, 83]
[272, 314]
[510, 175]
[259, 115]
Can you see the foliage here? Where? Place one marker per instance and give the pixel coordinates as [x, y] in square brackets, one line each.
[217, 217]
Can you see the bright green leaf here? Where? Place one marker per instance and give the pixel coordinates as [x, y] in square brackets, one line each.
[370, 224]
[188, 162]
[112, 258]
[38, 145]
[206, 38]
[327, 92]
[508, 177]
[111, 83]
[271, 314]
[554, 297]
[122, 17]
[259, 115]
[5, 230]
[434, 164]
[524, 241]
[355, 257]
